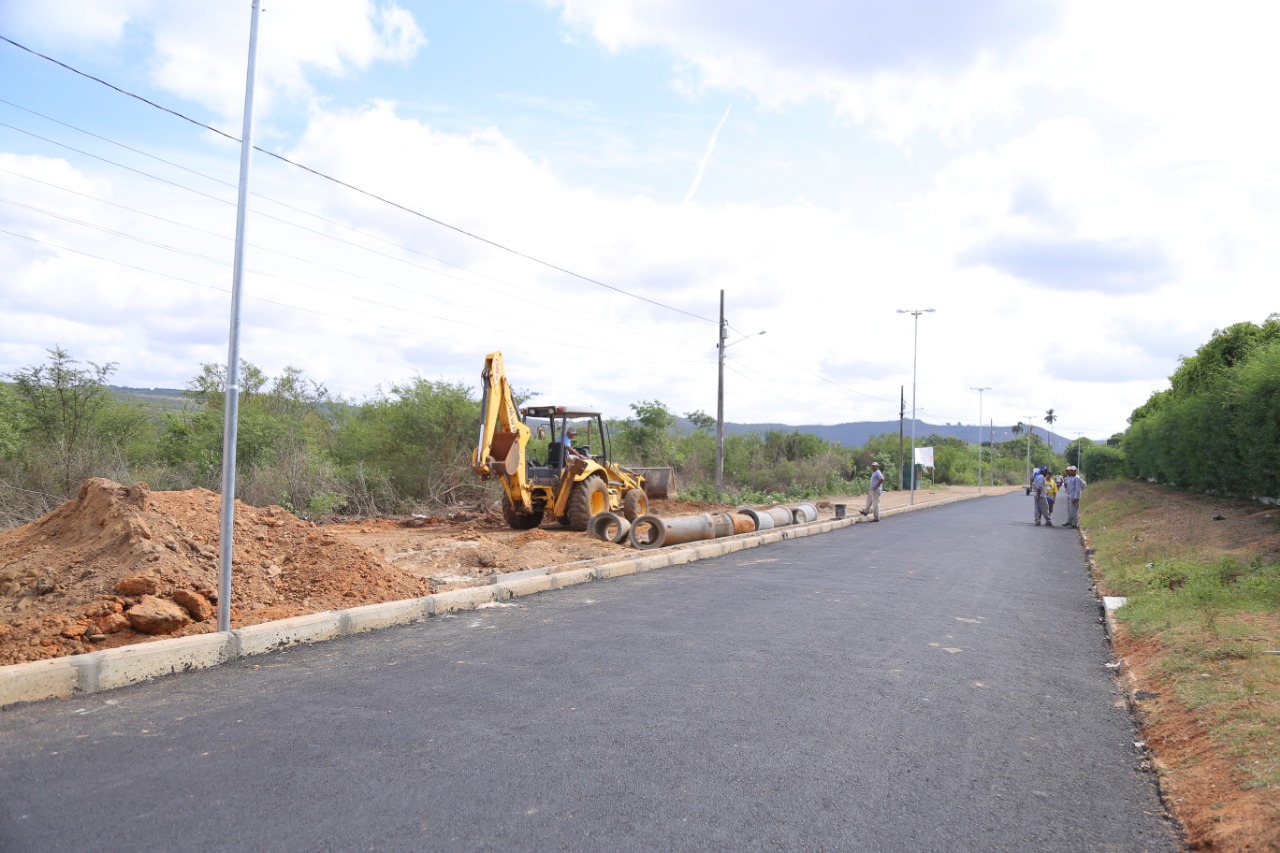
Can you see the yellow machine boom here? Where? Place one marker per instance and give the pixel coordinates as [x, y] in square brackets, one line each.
[575, 482]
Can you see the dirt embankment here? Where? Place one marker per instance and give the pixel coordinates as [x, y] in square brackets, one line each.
[1198, 751]
[120, 565]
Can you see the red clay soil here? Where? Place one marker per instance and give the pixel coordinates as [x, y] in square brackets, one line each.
[121, 565]
[1198, 780]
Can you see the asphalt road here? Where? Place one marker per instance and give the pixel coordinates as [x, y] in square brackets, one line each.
[934, 682]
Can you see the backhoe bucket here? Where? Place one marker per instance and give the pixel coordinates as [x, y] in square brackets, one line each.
[659, 483]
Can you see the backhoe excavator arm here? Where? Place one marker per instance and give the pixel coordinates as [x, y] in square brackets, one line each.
[500, 447]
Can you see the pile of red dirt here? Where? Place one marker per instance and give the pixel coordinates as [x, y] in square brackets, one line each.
[120, 565]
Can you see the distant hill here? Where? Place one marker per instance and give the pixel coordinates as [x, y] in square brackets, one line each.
[857, 434]
[163, 399]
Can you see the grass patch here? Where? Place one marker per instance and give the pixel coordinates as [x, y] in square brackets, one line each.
[1211, 602]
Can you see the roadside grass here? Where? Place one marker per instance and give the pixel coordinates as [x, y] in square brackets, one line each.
[1214, 615]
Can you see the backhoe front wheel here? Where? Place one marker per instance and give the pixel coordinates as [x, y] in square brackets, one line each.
[587, 498]
[635, 503]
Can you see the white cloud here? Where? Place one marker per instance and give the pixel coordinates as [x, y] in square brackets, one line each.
[199, 50]
[73, 22]
[1083, 192]
[904, 67]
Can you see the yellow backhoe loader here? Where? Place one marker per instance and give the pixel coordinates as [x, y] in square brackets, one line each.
[573, 483]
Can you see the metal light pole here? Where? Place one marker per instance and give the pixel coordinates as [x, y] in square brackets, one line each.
[720, 336]
[980, 390]
[1030, 429]
[915, 348]
[231, 405]
[721, 346]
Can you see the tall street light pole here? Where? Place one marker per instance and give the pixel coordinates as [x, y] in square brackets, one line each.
[915, 349]
[1030, 430]
[980, 390]
[231, 404]
[721, 346]
[720, 336]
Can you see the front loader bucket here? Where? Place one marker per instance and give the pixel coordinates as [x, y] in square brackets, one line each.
[659, 483]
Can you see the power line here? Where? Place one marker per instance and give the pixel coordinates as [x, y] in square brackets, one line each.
[569, 308]
[360, 190]
[353, 188]
[341, 318]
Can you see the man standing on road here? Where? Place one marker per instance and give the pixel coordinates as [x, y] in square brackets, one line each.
[1040, 495]
[874, 489]
[1073, 485]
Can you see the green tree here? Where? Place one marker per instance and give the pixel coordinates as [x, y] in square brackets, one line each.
[59, 413]
[1228, 347]
[700, 420]
[420, 437]
[1101, 462]
[284, 428]
[646, 437]
[791, 447]
[1253, 400]
[9, 428]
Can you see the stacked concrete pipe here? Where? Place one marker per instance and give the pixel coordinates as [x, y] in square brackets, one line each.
[650, 531]
[804, 513]
[609, 526]
[767, 518]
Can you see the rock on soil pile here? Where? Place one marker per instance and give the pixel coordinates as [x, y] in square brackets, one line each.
[118, 565]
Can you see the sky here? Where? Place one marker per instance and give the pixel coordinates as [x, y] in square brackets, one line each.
[899, 203]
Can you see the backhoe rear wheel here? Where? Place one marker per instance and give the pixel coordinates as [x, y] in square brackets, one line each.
[587, 498]
[518, 520]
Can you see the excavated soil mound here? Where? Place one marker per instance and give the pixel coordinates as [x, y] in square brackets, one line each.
[120, 565]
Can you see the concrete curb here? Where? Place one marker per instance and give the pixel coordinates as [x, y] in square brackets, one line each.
[60, 678]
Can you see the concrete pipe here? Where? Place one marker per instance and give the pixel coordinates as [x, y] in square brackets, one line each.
[758, 518]
[782, 515]
[649, 531]
[721, 524]
[609, 526]
[741, 523]
[804, 513]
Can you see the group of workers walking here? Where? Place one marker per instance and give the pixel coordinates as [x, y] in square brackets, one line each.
[1045, 486]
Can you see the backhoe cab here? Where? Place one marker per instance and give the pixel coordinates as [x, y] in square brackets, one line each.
[576, 480]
